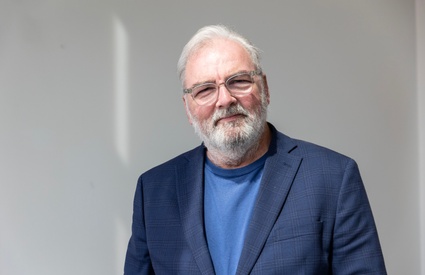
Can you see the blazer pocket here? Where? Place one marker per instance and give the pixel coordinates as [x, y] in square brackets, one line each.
[296, 229]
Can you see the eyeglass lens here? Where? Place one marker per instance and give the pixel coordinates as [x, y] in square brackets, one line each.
[237, 85]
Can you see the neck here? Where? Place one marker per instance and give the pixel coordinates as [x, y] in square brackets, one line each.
[231, 160]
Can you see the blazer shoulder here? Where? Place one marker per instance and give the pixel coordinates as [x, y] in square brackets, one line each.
[308, 150]
[169, 166]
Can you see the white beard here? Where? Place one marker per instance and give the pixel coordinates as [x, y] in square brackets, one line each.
[233, 139]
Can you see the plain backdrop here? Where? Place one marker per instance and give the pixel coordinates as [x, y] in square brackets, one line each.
[89, 99]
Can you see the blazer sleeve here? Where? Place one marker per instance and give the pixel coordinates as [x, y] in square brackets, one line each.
[356, 247]
[137, 261]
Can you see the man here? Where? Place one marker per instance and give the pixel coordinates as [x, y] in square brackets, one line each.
[250, 200]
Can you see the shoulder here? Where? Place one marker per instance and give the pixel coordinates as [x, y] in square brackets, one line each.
[169, 167]
[311, 153]
[319, 167]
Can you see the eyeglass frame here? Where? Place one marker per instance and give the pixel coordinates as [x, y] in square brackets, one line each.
[250, 73]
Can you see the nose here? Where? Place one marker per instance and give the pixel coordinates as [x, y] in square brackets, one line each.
[225, 98]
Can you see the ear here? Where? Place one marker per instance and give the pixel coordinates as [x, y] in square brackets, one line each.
[186, 108]
[266, 88]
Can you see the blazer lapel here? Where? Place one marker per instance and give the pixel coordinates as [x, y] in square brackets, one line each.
[279, 172]
[190, 193]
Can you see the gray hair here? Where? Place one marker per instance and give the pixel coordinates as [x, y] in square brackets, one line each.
[207, 34]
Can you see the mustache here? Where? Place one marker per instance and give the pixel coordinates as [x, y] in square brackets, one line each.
[232, 110]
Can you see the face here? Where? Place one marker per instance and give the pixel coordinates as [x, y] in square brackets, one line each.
[230, 124]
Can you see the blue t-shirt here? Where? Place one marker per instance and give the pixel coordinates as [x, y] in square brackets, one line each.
[229, 200]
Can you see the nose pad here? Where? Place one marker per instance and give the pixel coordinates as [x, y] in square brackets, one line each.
[226, 98]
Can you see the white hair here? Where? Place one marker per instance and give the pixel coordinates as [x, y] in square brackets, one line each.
[207, 34]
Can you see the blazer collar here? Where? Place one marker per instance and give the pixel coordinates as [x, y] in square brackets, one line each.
[190, 193]
[279, 172]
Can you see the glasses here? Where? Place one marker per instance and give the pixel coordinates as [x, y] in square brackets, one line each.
[239, 84]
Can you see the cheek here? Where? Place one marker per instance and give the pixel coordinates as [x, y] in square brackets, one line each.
[200, 113]
[251, 101]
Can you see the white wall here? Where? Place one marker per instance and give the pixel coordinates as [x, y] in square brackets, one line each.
[420, 73]
[89, 99]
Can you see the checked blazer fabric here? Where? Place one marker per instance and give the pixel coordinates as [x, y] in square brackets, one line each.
[311, 216]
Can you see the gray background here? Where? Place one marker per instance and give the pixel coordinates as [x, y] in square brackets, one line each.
[90, 99]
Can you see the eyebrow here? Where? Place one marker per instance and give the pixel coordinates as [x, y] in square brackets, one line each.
[213, 81]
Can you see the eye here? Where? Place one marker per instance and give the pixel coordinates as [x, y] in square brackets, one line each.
[239, 82]
[204, 90]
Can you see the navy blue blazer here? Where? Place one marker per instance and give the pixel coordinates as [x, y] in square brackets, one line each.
[311, 216]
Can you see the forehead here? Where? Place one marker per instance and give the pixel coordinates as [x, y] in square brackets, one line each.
[217, 59]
